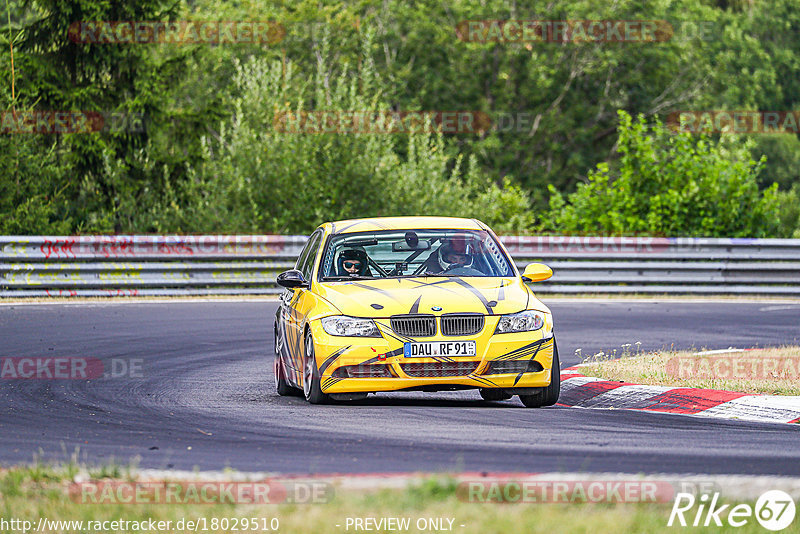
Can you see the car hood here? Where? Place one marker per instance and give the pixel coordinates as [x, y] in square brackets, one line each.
[394, 296]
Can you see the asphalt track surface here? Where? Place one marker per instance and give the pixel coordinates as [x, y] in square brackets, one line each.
[205, 398]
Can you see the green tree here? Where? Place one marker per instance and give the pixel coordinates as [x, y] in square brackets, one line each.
[255, 177]
[27, 205]
[127, 79]
[161, 180]
[32, 174]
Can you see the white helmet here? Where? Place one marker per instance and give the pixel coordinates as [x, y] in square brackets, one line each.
[454, 245]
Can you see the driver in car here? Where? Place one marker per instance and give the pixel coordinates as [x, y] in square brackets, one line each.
[453, 256]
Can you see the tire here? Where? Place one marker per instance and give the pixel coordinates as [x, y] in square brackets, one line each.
[311, 382]
[548, 396]
[281, 384]
[494, 394]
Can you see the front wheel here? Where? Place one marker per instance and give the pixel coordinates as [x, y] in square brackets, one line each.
[311, 380]
[548, 396]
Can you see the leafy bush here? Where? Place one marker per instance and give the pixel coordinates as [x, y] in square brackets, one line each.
[789, 213]
[669, 184]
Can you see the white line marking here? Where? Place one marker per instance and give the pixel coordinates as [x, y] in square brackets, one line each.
[178, 300]
[684, 300]
[777, 308]
[729, 350]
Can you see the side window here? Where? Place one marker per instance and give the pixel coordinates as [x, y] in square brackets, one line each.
[304, 253]
[310, 255]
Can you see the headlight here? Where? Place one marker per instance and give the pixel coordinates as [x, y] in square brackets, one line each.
[526, 321]
[341, 325]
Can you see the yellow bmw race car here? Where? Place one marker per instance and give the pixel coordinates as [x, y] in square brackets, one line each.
[412, 303]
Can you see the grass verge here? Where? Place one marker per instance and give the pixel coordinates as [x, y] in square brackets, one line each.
[31, 493]
[772, 371]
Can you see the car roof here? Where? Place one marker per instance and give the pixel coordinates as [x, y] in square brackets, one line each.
[404, 223]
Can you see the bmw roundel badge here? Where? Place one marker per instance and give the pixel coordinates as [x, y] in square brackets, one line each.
[436, 308]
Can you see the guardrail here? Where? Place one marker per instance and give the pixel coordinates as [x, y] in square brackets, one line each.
[44, 266]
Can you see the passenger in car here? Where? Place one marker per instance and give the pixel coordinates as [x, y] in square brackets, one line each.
[353, 262]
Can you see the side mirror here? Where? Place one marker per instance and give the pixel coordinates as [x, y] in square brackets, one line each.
[536, 272]
[291, 279]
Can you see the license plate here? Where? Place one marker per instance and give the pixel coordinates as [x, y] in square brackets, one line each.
[439, 348]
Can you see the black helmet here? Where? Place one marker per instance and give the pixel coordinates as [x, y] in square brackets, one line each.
[358, 254]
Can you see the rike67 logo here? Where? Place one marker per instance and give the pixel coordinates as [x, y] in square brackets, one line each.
[774, 510]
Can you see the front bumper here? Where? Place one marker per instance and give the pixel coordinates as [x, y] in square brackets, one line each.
[529, 354]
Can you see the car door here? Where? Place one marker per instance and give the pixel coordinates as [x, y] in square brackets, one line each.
[294, 304]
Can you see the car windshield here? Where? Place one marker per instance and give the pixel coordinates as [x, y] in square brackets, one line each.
[412, 253]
